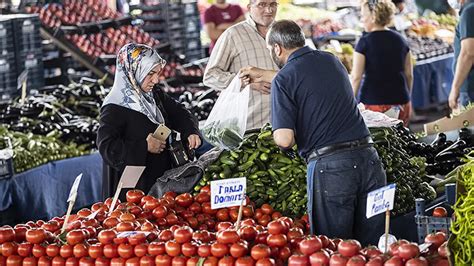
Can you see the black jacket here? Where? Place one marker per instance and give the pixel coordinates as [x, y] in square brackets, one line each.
[121, 139]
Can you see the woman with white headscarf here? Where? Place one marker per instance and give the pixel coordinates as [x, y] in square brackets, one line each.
[131, 113]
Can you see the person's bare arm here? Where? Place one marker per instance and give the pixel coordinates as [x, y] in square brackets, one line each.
[213, 31]
[409, 72]
[463, 66]
[358, 68]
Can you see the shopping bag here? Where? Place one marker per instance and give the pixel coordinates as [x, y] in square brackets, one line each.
[227, 122]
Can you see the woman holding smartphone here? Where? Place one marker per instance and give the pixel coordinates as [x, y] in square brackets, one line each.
[131, 113]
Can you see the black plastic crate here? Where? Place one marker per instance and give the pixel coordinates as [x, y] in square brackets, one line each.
[154, 27]
[193, 35]
[175, 14]
[193, 44]
[174, 24]
[190, 9]
[7, 41]
[192, 24]
[176, 34]
[27, 32]
[32, 61]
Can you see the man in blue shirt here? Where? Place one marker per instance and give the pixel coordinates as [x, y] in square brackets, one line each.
[462, 89]
[313, 106]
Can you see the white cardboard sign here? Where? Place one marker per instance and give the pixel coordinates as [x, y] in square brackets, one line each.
[227, 192]
[74, 188]
[380, 200]
[130, 176]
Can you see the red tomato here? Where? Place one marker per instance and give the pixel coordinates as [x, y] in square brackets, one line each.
[52, 250]
[277, 227]
[156, 248]
[348, 248]
[102, 262]
[133, 262]
[165, 235]
[189, 249]
[202, 197]
[107, 236]
[72, 261]
[223, 226]
[244, 261]
[204, 250]
[20, 233]
[408, 251]
[83, 213]
[25, 249]
[394, 261]
[140, 250]
[179, 261]
[238, 250]
[248, 233]
[267, 208]
[310, 245]
[125, 226]
[127, 217]
[206, 208]
[376, 261]
[420, 261]
[164, 260]
[183, 234]
[248, 222]
[228, 236]
[147, 261]
[134, 196]
[66, 251]
[9, 249]
[80, 250]
[319, 258]
[51, 226]
[264, 220]
[44, 261]
[7, 234]
[442, 250]
[276, 240]
[14, 260]
[260, 251]
[110, 251]
[440, 212]
[172, 219]
[356, 261]
[96, 250]
[173, 248]
[298, 260]
[125, 251]
[184, 200]
[32, 261]
[35, 235]
[436, 240]
[86, 261]
[219, 250]
[338, 260]
[111, 222]
[226, 261]
[136, 239]
[371, 251]
[75, 237]
[38, 251]
[160, 212]
[117, 262]
[265, 262]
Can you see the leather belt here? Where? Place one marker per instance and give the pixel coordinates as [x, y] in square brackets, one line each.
[338, 146]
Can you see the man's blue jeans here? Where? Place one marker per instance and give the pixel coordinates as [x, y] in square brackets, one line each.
[337, 186]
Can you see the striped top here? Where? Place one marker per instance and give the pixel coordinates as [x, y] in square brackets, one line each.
[240, 46]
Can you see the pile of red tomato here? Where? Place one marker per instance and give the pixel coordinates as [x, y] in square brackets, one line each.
[184, 230]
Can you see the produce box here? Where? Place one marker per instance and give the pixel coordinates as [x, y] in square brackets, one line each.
[465, 119]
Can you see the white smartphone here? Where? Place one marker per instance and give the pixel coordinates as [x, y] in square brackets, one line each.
[162, 132]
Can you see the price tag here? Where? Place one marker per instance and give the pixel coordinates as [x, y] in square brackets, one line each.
[132, 233]
[22, 79]
[228, 192]
[74, 188]
[380, 200]
[131, 175]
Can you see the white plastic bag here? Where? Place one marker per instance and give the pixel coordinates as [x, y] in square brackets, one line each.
[225, 127]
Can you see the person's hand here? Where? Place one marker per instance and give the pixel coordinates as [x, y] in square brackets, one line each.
[251, 74]
[453, 99]
[194, 141]
[155, 145]
[263, 87]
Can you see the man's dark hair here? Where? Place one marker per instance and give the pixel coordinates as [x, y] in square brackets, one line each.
[287, 34]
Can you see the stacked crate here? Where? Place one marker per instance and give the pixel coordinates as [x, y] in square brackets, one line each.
[20, 49]
[8, 73]
[176, 22]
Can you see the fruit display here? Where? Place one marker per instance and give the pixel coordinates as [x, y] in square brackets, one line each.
[427, 26]
[407, 172]
[345, 54]
[462, 226]
[184, 230]
[426, 47]
[272, 176]
[326, 27]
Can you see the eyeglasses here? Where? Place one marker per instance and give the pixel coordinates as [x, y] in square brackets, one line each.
[263, 5]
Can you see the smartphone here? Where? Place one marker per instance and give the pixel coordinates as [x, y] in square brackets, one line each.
[162, 132]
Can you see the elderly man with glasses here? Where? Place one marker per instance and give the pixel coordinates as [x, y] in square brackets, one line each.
[244, 45]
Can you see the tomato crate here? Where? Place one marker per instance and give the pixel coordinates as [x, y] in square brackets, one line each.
[427, 224]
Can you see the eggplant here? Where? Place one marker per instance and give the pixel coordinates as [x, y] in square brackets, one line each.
[452, 152]
[440, 140]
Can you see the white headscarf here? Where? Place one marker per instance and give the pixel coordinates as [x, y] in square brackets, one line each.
[134, 63]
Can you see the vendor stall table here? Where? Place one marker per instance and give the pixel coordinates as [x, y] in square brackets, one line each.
[41, 193]
[432, 81]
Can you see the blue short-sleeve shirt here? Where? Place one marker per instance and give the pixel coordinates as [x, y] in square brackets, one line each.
[312, 95]
[464, 30]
